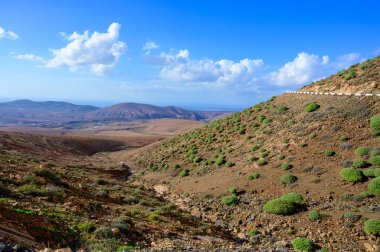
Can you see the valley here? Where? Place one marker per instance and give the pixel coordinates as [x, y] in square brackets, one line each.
[293, 173]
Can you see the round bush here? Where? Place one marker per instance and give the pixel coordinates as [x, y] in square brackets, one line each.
[343, 138]
[229, 164]
[372, 172]
[103, 233]
[233, 190]
[288, 179]
[372, 227]
[280, 157]
[311, 107]
[254, 175]
[302, 244]
[329, 153]
[375, 124]
[254, 148]
[231, 200]
[375, 160]
[362, 151]
[294, 198]
[286, 166]
[291, 122]
[262, 162]
[314, 215]
[351, 175]
[184, 173]
[358, 163]
[374, 186]
[279, 206]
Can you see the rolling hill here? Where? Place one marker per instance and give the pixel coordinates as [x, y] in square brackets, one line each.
[27, 111]
[292, 168]
[53, 113]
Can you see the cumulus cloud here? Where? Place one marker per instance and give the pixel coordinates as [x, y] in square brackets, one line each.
[304, 68]
[150, 45]
[8, 34]
[96, 52]
[178, 66]
[30, 57]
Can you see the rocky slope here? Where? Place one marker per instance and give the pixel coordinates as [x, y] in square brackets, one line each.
[289, 144]
[359, 78]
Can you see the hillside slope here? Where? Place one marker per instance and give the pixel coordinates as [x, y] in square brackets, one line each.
[270, 149]
[359, 78]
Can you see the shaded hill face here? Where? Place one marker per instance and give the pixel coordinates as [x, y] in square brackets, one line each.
[359, 78]
[136, 111]
[280, 146]
[52, 195]
[27, 111]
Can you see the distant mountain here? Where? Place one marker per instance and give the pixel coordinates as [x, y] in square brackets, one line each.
[136, 111]
[26, 111]
[51, 113]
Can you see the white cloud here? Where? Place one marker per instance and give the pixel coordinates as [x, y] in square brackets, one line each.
[178, 66]
[8, 34]
[96, 52]
[150, 45]
[30, 57]
[347, 60]
[304, 68]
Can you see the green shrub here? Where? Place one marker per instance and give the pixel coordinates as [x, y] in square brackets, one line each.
[285, 140]
[177, 166]
[184, 173]
[329, 153]
[254, 148]
[351, 216]
[229, 164]
[261, 118]
[87, 227]
[302, 144]
[314, 215]
[343, 138]
[254, 175]
[103, 233]
[288, 179]
[262, 162]
[252, 158]
[351, 175]
[252, 232]
[351, 73]
[358, 163]
[101, 245]
[280, 157]
[374, 186]
[233, 190]
[279, 206]
[375, 160]
[197, 159]
[372, 172]
[48, 174]
[375, 124]
[267, 121]
[311, 107]
[286, 166]
[302, 244]
[32, 190]
[372, 227]
[290, 122]
[221, 160]
[294, 198]
[362, 151]
[281, 110]
[312, 135]
[230, 200]
[264, 154]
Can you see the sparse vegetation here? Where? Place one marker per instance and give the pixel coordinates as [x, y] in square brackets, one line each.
[329, 153]
[374, 186]
[372, 227]
[230, 200]
[286, 166]
[362, 151]
[254, 175]
[288, 179]
[351, 175]
[302, 244]
[279, 206]
[314, 215]
[311, 107]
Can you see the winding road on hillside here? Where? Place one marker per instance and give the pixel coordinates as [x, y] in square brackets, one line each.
[330, 93]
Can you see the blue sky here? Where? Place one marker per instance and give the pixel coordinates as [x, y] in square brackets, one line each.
[195, 54]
